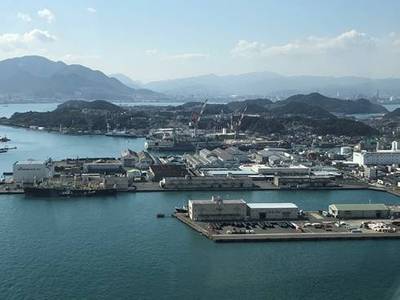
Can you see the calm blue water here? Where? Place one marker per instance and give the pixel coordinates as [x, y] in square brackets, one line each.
[115, 247]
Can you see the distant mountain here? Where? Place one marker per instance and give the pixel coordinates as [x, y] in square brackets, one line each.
[35, 78]
[253, 106]
[272, 84]
[305, 110]
[334, 105]
[93, 105]
[127, 81]
[312, 105]
[212, 85]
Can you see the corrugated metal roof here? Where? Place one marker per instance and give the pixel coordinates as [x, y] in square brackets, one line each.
[372, 206]
[271, 205]
[212, 202]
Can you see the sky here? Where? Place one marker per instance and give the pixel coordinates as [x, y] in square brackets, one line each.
[156, 40]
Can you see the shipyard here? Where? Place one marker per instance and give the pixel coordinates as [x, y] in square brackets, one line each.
[226, 150]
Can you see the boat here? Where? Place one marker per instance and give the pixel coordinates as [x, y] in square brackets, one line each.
[122, 133]
[45, 191]
[4, 139]
[171, 139]
[5, 149]
[181, 209]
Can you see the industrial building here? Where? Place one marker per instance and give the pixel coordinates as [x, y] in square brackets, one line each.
[272, 211]
[359, 211]
[103, 167]
[30, 171]
[292, 170]
[304, 181]
[217, 209]
[206, 182]
[378, 157]
[158, 172]
[129, 158]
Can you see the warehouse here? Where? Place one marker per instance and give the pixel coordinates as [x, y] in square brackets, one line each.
[103, 167]
[31, 171]
[359, 211]
[272, 211]
[206, 183]
[304, 181]
[217, 209]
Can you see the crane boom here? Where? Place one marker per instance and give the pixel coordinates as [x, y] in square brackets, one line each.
[198, 118]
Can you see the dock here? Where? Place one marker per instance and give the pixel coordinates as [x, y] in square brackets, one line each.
[285, 235]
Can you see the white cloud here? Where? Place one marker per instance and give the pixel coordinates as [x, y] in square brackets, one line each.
[346, 41]
[24, 17]
[46, 14]
[186, 56]
[151, 52]
[12, 41]
[91, 10]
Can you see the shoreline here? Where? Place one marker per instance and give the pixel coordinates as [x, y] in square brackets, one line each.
[151, 187]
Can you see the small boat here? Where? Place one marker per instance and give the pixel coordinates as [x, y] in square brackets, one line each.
[5, 149]
[4, 139]
[181, 209]
[160, 215]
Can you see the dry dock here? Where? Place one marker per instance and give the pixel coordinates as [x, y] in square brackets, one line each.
[287, 234]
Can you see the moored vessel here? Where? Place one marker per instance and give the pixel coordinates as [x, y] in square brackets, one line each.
[68, 192]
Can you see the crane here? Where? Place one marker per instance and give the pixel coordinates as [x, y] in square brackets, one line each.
[196, 118]
[239, 122]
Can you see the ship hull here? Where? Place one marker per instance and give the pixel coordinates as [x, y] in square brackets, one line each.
[55, 192]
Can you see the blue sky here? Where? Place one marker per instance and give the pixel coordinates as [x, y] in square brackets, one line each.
[152, 40]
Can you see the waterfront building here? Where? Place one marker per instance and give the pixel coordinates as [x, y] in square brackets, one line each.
[304, 181]
[272, 211]
[30, 171]
[158, 172]
[359, 211]
[217, 209]
[206, 183]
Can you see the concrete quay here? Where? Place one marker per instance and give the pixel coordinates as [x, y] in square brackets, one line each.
[286, 234]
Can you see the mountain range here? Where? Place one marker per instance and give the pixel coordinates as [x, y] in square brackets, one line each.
[275, 85]
[313, 105]
[35, 78]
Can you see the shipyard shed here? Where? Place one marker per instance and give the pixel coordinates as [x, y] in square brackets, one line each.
[158, 172]
[217, 209]
[30, 171]
[272, 211]
[359, 211]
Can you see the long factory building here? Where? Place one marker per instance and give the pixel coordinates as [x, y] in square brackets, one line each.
[217, 209]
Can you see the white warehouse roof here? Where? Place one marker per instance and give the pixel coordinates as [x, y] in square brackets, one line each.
[271, 205]
[30, 162]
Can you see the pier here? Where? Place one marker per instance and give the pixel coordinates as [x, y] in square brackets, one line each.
[277, 234]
